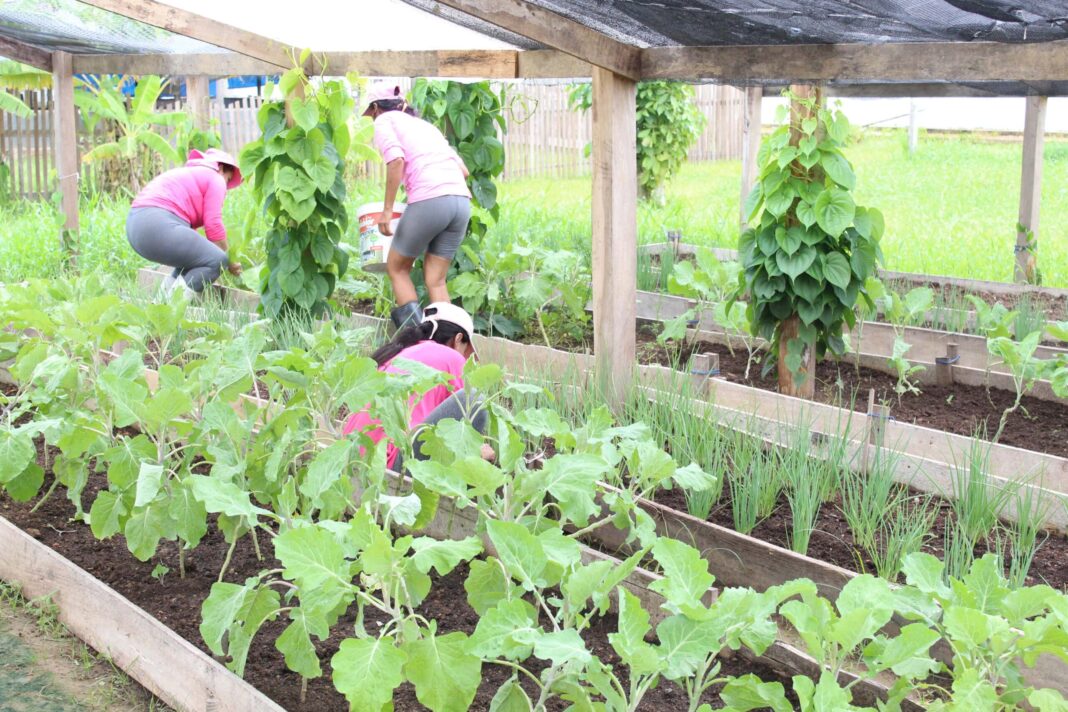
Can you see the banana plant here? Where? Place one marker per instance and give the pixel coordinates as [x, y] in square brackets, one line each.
[18, 76]
[135, 124]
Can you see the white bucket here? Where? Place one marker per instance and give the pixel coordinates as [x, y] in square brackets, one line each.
[374, 246]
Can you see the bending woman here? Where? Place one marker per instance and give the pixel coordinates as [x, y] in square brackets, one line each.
[441, 341]
[163, 218]
[439, 203]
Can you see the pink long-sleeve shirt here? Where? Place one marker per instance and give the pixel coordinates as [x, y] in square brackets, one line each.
[193, 192]
[431, 167]
[432, 354]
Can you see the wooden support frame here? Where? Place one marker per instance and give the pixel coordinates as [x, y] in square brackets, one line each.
[27, 54]
[201, 28]
[615, 227]
[1026, 267]
[65, 137]
[554, 30]
[918, 62]
[751, 126]
[197, 98]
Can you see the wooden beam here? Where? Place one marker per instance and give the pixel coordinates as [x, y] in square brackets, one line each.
[615, 228]
[220, 64]
[551, 64]
[200, 28]
[485, 64]
[906, 62]
[1030, 189]
[750, 145]
[25, 53]
[557, 31]
[66, 138]
[197, 96]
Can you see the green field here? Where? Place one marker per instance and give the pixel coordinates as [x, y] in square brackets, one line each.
[951, 209]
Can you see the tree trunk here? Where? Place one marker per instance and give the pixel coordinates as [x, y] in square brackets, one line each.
[803, 385]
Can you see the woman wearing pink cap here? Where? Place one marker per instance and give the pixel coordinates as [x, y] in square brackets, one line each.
[163, 219]
[439, 203]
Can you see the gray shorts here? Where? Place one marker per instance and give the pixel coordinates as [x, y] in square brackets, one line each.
[436, 226]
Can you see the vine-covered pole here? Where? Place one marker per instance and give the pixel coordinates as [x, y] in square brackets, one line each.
[803, 382]
[1026, 269]
[615, 228]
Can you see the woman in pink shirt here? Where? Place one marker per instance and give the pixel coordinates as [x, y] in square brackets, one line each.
[443, 341]
[164, 216]
[439, 203]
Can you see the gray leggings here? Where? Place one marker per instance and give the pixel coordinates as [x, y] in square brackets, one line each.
[161, 236]
[436, 226]
[461, 405]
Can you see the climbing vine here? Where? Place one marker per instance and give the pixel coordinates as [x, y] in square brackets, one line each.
[297, 171]
[809, 249]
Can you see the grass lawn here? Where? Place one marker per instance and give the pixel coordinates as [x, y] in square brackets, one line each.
[951, 209]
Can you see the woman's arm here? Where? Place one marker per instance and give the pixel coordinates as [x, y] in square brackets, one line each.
[394, 176]
[214, 194]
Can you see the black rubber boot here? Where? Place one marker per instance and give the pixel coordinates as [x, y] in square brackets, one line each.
[410, 314]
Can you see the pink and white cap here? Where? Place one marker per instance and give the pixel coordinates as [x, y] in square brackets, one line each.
[382, 91]
[447, 311]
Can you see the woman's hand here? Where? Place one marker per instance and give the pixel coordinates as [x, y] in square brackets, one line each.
[385, 219]
[488, 453]
[235, 269]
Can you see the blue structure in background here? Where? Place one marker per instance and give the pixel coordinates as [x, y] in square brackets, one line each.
[246, 82]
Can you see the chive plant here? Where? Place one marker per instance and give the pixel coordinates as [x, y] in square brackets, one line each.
[867, 497]
[1023, 535]
[903, 531]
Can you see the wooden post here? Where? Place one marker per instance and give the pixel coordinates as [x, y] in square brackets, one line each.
[944, 365]
[197, 96]
[877, 417]
[706, 364]
[914, 127]
[615, 229]
[65, 137]
[803, 384]
[750, 145]
[1030, 189]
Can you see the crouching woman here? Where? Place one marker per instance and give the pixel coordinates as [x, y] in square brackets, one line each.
[443, 342]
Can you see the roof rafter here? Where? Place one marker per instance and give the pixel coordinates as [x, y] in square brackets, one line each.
[899, 61]
[200, 28]
[556, 31]
[27, 54]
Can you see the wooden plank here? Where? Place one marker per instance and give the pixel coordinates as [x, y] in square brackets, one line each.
[1026, 266]
[200, 28]
[197, 96]
[551, 64]
[555, 30]
[615, 227]
[163, 662]
[886, 62]
[750, 146]
[66, 137]
[26, 53]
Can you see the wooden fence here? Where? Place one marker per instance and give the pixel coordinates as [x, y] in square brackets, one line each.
[545, 137]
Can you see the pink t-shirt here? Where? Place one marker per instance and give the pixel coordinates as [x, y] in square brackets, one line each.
[193, 192]
[429, 353]
[431, 167]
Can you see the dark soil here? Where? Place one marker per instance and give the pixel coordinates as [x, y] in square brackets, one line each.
[176, 602]
[1038, 425]
[833, 542]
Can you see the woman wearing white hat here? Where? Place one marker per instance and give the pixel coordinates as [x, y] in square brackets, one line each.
[443, 341]
[419, 157]
[164, 217]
